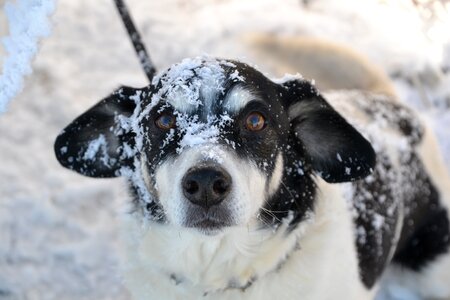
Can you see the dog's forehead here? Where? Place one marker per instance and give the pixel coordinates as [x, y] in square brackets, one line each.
[206, 85]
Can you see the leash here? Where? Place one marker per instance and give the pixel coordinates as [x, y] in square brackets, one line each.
[135, 37]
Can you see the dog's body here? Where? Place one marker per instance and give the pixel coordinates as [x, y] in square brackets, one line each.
[245, 188]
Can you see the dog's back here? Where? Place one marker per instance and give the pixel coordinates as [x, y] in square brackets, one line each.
[402, 208]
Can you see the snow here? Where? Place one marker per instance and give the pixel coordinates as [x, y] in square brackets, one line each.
[179, 83]
[58, 230]
[197, 133]
[378, 221]
[235, 76]
[288, 77]
[28, 22]
[94, 147]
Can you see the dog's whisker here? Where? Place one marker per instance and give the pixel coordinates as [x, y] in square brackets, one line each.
[275, 211]
[270, 213]
[287, 190]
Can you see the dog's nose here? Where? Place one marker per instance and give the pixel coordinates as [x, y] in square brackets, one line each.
[206, 186]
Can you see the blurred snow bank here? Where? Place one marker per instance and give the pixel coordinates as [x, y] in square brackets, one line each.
[28, 21]
[410, 40]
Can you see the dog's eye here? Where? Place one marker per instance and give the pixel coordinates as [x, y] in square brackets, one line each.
[255, 122]
[165, 121]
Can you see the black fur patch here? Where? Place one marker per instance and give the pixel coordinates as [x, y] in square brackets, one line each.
[376, 203]
[426, 228]
[429, 241]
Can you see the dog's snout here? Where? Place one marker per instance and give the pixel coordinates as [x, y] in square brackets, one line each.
[206, 186]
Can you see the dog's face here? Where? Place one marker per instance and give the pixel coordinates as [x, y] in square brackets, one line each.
[213, 143]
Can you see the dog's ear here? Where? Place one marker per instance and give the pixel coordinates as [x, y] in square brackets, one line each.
[95, 144]
[334, 148]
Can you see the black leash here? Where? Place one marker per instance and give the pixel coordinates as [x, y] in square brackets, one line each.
[135, 38]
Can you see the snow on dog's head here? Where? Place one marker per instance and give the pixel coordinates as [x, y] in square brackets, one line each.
[213, 143]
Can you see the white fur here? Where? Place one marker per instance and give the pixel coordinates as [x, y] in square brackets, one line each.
[207, 265]
[181, 100]
[237, 99]
[277, 175]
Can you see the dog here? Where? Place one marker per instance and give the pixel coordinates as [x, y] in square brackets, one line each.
[245, 187]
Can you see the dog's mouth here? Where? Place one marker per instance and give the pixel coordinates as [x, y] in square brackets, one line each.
[208, 224]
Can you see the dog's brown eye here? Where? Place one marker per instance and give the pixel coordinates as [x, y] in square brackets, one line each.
[165, 121]
[255, 122]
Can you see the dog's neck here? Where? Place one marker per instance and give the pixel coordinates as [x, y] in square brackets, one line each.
[233, 259]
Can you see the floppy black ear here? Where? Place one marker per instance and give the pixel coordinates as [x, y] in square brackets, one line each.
[94, 144]
[334, 148]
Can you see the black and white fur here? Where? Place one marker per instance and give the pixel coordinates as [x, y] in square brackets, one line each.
[320, 203]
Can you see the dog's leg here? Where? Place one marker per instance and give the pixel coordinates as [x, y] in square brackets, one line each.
[432, 279]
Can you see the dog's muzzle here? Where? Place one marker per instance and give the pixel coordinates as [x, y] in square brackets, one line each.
[206, 187]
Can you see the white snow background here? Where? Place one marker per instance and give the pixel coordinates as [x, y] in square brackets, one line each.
[58, 230]
[28, 21]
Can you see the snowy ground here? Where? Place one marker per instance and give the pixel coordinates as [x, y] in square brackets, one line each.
[58, 230]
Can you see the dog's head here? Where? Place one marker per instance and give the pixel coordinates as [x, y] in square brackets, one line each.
[214, 143]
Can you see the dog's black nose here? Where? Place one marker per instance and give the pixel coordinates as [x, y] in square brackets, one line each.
[206, 186]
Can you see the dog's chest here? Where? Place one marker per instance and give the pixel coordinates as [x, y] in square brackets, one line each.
[189, 263]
